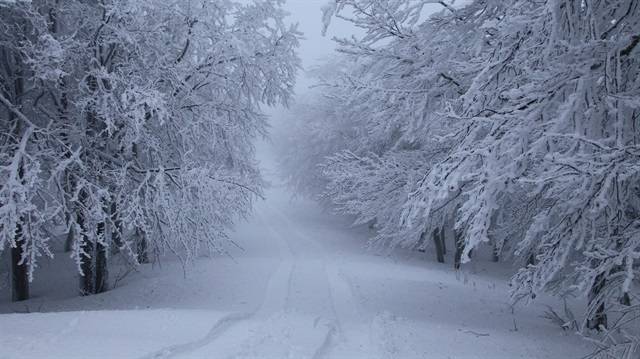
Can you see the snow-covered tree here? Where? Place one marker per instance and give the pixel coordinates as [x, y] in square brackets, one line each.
[153, 107]
[517, 119]
[24, 152]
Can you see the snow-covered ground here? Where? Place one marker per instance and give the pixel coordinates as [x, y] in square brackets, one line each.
[302, 286]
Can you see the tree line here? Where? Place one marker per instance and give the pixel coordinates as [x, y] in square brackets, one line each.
[126, 127]
[509, 128]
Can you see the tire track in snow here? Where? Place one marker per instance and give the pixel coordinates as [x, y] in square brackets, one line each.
[285, 235]
[279, 288]
[275, 322]
[348, 319]
[325, 347]
[270, 303]
[218, 329]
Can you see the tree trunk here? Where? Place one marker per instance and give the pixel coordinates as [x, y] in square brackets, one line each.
[116, 232]
[95, 273]
[19, 268]
[143, 253]
[68, 188]
[438, 240]
[94, 264]
[496, 253]
[625, 299]
[19, 271]
[87, 278]
[532, 259]
[63, 114]
[598, 320]
[101, 269]
[68, 242]
[420, 245]
[459, 249]
[443, 239]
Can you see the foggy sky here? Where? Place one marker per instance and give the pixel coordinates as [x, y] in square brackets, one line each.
[314, 47]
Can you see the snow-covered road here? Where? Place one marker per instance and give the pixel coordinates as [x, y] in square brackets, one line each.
[307, 310]
[303, 286]
[315, 306]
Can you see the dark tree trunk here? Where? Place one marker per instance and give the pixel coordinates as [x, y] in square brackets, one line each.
[443, 240]
[116, 232]
[438, 241]
[532, 260]
[87, 278]
[94, 264]
[68, 188]
[421, 246]
[598, 319]
[496, 253]
[19, 268]
[459, 249]
[101, 269]
[63, 114]
[95, 272]
[142, 247]
[19, 271]
[68, 242]
[625, 299]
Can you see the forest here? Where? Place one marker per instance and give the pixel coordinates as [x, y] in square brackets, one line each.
[503, 133]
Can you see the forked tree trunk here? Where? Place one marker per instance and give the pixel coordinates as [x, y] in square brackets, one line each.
[94, 264]
[95, 273]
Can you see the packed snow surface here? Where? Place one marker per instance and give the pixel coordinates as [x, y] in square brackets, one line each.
[302, 286]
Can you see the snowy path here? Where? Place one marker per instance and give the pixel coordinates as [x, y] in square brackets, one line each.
[308, 310]
[327, 298]
[303, 287]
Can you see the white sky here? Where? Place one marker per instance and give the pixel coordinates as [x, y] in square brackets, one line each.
[314, 47]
